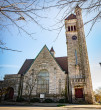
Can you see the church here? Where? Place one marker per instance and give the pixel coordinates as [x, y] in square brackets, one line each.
[56, 78]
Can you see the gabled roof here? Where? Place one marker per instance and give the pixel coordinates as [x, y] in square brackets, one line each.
[71, 16]
[62, 61]
[25, 66]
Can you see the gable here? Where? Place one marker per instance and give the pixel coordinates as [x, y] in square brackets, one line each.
[61, 61]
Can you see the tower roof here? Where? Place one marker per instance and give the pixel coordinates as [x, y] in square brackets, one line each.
[52, 50]
[71, 16]
[77, 6]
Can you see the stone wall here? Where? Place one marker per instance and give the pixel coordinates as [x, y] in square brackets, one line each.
[78, 68]
[12, 80]
[45, 61]
[84, 57]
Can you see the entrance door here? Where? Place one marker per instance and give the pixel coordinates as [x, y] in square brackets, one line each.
[9, 94]
[78, 92]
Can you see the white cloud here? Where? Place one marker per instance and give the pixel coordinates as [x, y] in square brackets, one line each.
[9, 66]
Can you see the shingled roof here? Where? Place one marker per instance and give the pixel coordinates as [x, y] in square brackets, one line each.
[25, 66]
[71, 16]
[62, 61]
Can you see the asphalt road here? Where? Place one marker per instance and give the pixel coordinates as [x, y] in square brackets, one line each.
[45, 108]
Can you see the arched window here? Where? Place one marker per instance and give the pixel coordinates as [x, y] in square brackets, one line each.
[71, 28]
[74, 28]
[68, 28]
[43, 82]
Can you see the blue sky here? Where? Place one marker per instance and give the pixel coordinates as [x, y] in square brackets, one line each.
[11, 62]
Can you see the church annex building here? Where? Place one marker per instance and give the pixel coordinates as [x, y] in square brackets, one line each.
[52, 77]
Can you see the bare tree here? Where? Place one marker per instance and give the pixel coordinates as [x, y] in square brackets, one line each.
[30, 82]
[66, 7]
[11, 12]
[14, 11]
[89, 6]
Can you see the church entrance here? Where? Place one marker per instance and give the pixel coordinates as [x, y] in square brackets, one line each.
[10, 93]
[78, 92]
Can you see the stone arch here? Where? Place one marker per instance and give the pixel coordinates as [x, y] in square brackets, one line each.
[10, 93]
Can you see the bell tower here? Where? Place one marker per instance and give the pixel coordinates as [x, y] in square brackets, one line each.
[79, 77]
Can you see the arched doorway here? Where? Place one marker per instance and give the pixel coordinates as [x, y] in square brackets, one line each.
[10, 93]
[78, 92]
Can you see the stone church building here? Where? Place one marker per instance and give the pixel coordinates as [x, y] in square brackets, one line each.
[48, 76]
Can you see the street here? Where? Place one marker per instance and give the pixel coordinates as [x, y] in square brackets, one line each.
[45, 108]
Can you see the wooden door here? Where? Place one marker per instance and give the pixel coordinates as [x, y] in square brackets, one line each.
[78, 92]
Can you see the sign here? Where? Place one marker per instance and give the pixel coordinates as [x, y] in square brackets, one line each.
[42, 96]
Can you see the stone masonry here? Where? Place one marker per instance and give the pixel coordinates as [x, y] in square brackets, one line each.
[68, 77]
[45, 61]
[78, 64]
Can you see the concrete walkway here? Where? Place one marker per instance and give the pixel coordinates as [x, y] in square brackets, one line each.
[62, 105]
[69, 107]
[82, 106]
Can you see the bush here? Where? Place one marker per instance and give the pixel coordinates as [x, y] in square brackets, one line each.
[20, 99]
[35, 100]
[63, 100]
[48, 101]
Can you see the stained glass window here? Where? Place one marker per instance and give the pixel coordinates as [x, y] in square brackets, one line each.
[43, 82]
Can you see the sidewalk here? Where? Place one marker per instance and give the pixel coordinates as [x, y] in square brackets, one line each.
[82, 106]
[64, 105]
